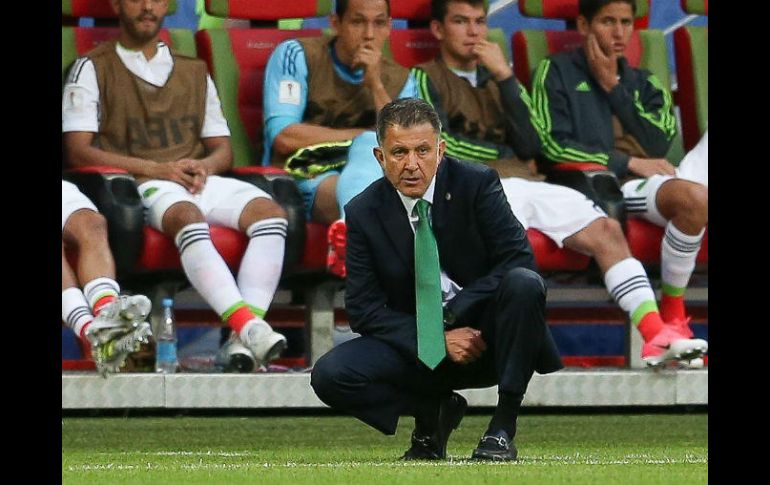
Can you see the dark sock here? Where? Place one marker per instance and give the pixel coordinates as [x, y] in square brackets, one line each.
[426, 417]
[505, 414]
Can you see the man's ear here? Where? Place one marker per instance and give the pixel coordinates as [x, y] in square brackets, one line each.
[437, 29]
[115, 5]
[334, 23]
[441, 149]
[379, 156]
[583, 26]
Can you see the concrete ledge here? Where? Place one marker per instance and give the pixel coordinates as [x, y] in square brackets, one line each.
[91, 391]
[564, 388]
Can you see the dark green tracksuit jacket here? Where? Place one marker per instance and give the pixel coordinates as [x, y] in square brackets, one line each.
[576, 114]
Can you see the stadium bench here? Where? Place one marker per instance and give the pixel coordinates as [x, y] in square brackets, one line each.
[149, 263]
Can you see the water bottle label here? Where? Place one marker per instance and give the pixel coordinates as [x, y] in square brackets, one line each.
[166, 352]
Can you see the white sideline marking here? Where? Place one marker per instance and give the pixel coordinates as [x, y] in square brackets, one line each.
[547, 461]
[196, 453]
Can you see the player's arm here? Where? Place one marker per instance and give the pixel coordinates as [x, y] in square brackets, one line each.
[646, 113]
[285, 100]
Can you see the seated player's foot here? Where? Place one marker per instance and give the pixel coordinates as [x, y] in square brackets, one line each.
[263, 342]
[110, 356]
[683, 326]
[110, 324]
[233, 356]
[693, 364]
[670, 344]
[131, 308]
[337, 240]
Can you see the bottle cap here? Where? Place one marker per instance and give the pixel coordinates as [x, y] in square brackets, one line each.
[169, 302]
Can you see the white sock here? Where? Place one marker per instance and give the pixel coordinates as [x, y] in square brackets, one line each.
[262, 263]
[628, 284]
[75, 311]
[97, 289]
[205, 268]
[677, 256]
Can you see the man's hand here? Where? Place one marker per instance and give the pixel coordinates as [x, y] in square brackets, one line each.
[198, 170]
[188, 172]
[647, 167]
[604, 68]
[368, 58]
[464, 345]
[491, 56]
[531, 165]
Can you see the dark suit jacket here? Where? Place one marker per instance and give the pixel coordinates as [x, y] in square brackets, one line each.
[479, 240]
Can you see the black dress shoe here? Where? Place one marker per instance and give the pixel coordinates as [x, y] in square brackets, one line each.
[451, 412]
[423, 448]
[495, 446]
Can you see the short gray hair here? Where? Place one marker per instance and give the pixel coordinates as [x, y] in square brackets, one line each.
[406, 112]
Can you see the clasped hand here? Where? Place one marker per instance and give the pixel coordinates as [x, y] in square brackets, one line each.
[188, 172]
[464, 345]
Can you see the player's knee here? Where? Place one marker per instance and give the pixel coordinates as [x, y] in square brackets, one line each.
[88, 225]
[179, 215]
[264, 208]
[603, 236]
[612, 232]
[278, 212]
[698, 203]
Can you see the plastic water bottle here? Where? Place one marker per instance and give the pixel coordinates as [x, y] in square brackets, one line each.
[166, 361]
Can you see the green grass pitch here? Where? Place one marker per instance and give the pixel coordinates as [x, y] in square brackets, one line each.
[553, 449]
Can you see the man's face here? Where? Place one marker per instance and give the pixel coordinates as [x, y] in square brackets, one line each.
[364, 22]
[612, 26]
[462, 28]
[409, 157]
[141, 20]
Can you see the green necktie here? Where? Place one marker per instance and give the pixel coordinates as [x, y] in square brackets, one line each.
[427, 281]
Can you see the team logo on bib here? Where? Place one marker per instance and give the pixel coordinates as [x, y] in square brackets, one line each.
[289, 92]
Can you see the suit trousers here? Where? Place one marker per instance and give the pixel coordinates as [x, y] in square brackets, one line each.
[371, 380]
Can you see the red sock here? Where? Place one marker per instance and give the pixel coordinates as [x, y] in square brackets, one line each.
[103, 301]
[650, 325]
[672, 308]
[239, 318]
[83, 343]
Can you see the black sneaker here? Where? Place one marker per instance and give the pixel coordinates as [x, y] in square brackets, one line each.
[496, 446]
[451, 412]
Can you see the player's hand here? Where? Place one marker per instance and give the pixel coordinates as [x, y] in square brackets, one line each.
[197, 169]
[603, 67]
[491, 56]
[464, 345]
[647, 167]
[189, 173]
[368, 58]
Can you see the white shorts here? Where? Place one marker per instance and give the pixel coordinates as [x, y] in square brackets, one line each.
[221, 201]
[640, 194]
[695, 165]
[72, 199]
[555, 210]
